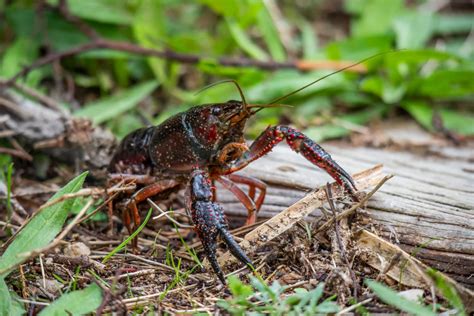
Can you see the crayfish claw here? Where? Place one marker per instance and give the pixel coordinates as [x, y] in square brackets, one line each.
[210, 246]
[209, 222]
[235, 248]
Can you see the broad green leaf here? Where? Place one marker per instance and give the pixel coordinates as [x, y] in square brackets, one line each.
[76, 303]
[18, 308]
[149, 30]
[383, 88]
[229, 8]
[238, 289]
[5, 298]
[355, 6]
[109, 107]
[309, 40]
[324, 132]
[331, 131]
[41, 229]
[377, 17]
[447, 84]
[454, 23]
[405, 25]
[20, 53]
[106, 11]
[452, 120]
[267, 26]
[327, 307]
[421, 112]
[19, 19]
[419, 56]
[244, 41]
[359, 48]
[284, 82]
[392, 298]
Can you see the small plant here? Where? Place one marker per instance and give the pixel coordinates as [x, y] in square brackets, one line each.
[261, 299]
[392, 298]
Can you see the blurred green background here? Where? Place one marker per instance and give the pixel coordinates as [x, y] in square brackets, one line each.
[125, 91]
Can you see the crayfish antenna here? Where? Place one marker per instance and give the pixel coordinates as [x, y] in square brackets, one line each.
[235, 248]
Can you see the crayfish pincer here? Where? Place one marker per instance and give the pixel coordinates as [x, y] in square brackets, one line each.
[195, 148]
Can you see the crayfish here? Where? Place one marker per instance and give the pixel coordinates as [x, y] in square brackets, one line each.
[195, 148]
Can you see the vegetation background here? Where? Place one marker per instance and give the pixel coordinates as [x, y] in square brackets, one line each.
[429, 78]
[124, 91]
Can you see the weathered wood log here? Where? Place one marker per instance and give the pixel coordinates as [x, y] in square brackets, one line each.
[428, 206]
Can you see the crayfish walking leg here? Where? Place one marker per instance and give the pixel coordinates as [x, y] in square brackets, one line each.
[210, 222]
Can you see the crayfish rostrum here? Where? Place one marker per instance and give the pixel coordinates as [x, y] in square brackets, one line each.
[205, 144]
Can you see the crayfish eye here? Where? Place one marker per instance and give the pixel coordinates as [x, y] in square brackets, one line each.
[216, 111]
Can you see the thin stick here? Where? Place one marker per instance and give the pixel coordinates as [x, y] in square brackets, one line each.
[165, 214]
[352, 307]
[348, 212]
[43, 274]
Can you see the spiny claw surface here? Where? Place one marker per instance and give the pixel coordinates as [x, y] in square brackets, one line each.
[210, 222]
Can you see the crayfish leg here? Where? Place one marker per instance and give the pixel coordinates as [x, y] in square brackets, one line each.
[253, 184]
[209, 222]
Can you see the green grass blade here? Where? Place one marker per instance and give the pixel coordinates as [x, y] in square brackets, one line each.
[392, 298]
[5, 298]
[76, 303]
[244, 41]
[129, 239]
[448, 291]
[109, 107]
[270, 35]
[41, 229]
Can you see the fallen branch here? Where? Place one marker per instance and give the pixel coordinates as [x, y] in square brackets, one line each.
[100, 44]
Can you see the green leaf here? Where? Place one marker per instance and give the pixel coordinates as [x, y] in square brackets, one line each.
[229, 8]
[149, 30]
[5, 298]
[309, 40]
[360, 47]
[452, 120]
[20, 53]
[383, 88]
[76, 303]
[405, 25]
[106, 11]
[244, 41]
[376, 17]
[129, 238]
[447, 84]
[453, 23]
[270, 35]
[324, 132]
[392, 298]
[448, 291]
[419, 56]
[109, 107]
[239, 289]
[41, 229]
